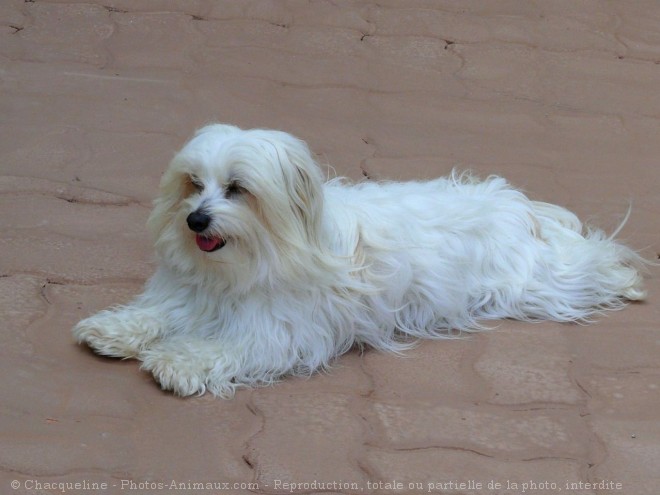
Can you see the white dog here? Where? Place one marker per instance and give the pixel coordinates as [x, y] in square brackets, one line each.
[265, 270]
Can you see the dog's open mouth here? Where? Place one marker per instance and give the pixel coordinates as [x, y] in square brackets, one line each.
[209, 244]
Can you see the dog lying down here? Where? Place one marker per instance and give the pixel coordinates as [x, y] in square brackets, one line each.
[266, 270]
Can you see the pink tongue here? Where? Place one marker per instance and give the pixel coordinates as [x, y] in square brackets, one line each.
[206, 244]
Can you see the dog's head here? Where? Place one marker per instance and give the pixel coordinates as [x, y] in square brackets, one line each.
[244, 203]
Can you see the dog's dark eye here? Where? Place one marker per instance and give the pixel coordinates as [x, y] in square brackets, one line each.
[196, 183]
[233, 189]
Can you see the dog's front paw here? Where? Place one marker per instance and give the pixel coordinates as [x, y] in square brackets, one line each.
[175, 371]
[114, 334]
[188, 366]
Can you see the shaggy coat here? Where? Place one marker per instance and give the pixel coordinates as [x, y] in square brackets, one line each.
[265, 269]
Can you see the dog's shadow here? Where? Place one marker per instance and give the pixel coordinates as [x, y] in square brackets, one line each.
[87, 351]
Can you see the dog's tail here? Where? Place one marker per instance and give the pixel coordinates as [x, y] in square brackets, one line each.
[584, 271]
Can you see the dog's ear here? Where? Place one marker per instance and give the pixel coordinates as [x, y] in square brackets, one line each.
[303, 180]
[174, 187]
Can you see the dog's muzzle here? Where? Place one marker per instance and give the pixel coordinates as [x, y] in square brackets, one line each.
[198, 222]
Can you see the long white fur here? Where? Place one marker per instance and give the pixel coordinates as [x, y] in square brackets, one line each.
[312, 268]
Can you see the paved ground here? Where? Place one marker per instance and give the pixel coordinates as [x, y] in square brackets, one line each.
[563, 98]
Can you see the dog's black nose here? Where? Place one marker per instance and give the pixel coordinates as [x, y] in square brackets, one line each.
[198, 221]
